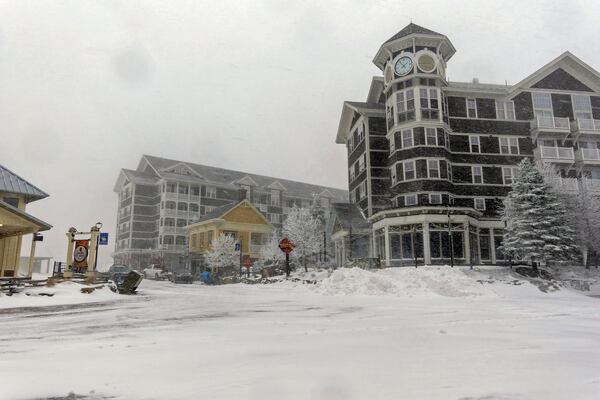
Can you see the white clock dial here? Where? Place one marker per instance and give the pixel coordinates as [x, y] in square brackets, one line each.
[403, 66]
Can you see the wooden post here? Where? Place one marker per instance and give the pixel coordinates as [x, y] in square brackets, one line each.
[69, 259]
[31, 256]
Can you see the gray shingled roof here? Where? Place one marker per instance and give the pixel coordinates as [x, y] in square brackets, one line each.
[349, 215]
[217, 212]
[227, 177]
[410, 29]
[140, 177]
[13, 183]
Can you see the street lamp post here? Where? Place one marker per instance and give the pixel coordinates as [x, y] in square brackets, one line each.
[450, 236]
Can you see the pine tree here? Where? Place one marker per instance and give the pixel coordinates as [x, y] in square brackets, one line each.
[222, 253]
[536, 220]
[303, 229]
[582, 208]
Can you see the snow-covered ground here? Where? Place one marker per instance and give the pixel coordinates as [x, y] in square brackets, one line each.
[431, 333]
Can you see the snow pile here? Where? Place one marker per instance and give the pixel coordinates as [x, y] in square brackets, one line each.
[61, 293]
[405, 282]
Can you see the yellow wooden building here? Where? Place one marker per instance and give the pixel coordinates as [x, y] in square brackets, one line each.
[241, 220]
[15, 194]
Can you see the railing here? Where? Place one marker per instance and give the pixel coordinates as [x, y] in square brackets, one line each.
[174, 229]
[590, 154]
[169, 212]
[173, 247]
[547, 122]
[557, 153]
[592, 184]
[581, 124]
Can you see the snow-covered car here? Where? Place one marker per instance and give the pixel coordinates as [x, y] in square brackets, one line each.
[154, 272]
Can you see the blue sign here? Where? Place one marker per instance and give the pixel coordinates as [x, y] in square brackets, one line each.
[103, 238]
[238, 247]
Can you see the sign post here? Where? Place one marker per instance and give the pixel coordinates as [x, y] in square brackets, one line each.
[287, 246]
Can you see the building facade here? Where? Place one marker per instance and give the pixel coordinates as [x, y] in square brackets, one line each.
[430, 161]
[15, 222]
[240, 220]
[162, 196]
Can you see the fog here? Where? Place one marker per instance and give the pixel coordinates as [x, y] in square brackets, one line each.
[87, 87]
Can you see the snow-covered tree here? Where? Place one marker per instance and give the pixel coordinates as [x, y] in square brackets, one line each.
[270, 252]
[222, 253]
[536, 220]
[304, 230]
[582, 208]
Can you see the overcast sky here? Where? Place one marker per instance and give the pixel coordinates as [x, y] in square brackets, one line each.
[87, 87]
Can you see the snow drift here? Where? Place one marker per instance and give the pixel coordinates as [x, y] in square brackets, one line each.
[405, 282]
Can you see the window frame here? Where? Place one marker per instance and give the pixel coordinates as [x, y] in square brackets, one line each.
[475, 201]
[474, 100]
[506, 107]
[437, 168]
[412, 138]
[471, 144]
[427, 137]
[439, 195]
[473, 175]
[509, 145]
[413, 170]
[412, 196]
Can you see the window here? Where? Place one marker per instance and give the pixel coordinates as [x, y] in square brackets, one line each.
[211, 192]
[429, 103]
[474, 144]
[275, 197]
[171, 187]
[405, 104]
[479, 203]
[449, 168]
[183, 189]
[409, 170]
[431, 136]
[509, 145]
[582, 107]
[209, 236]
[361, 133]
[505, 110]
[393, 173]
[407, 138]
[361, 162]
[477, 174]
[508, 173]
[392, 145]
[352, 172]
[471, 108]
[433, 168]
[362, 190]
[435, 198]
[542, 104]
[429, 98]
[410, 200]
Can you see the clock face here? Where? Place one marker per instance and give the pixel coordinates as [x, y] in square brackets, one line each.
[403, 66]
[426, 63]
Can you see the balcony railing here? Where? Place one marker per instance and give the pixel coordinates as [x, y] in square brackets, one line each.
[557, 153]
[589, 154]
[581, 124]
[546, 122]
[174, 230]
[592, 185]
[173, 247]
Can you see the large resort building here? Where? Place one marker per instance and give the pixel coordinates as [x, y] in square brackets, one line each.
[159, 199]
[430, 161]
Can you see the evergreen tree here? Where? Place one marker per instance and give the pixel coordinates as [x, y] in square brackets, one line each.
[582, 207]
[536, 222]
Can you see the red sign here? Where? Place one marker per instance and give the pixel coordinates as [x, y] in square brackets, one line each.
[247, 263]
[286, 245]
